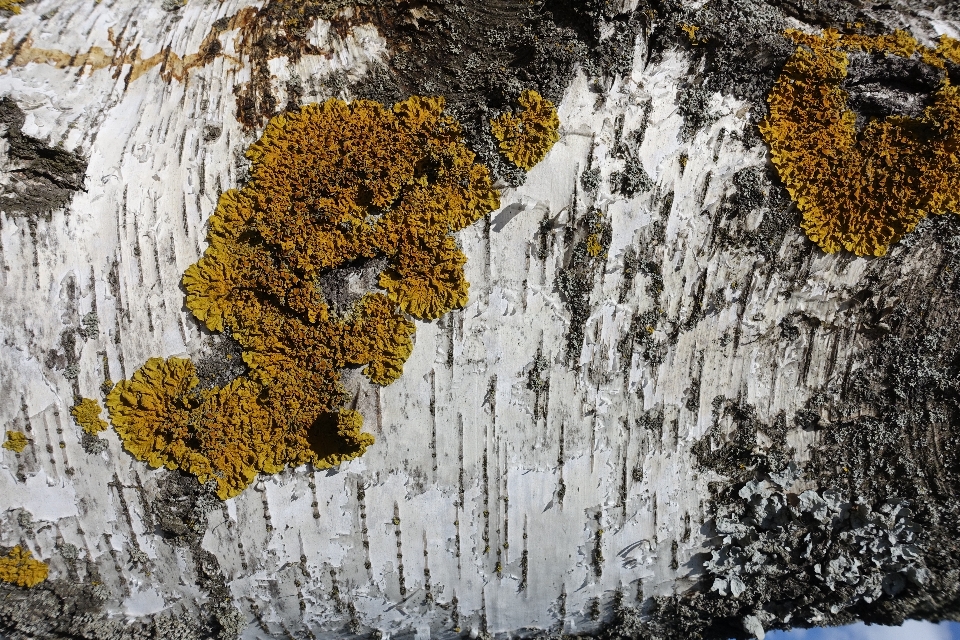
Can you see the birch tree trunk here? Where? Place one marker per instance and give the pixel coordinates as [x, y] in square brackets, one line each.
[710, 429]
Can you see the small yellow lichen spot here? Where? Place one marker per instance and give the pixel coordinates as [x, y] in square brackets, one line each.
[87, 414]
[594, 248]
[10, 5]
[691, 31]
[598, 240]
[861, 191]
[18, 567]
[16, 441]
[525, 138]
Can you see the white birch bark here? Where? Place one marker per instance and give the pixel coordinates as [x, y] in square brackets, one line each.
[475, 509]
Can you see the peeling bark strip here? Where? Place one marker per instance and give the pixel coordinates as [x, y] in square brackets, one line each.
[664, 413]
[278, 30]
[173, 66]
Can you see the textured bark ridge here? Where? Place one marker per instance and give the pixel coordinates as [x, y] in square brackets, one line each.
[37, 178]
[663, 413]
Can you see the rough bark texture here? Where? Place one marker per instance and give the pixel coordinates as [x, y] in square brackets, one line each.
[709, 429]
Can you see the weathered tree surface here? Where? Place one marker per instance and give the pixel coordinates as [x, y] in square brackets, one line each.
[664, 412]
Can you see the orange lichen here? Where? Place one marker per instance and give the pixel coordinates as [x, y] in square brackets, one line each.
[949, 48]
[331, 185]
[18, 567]
[86, 413]
[525, 138]
[151, 411]
[15, 441]
[690, 30]
[861, 191]
[594, 247]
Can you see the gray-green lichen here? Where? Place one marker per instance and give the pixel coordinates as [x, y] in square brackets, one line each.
[587, 240]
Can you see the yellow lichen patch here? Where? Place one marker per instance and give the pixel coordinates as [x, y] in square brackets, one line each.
[331, 185]
[860, 191]
[594, 248]
[87, 414]
[690, 30]
[526, 137]
[18, 567]
[10, 5]
[152, 411]
[949, 48]
[598, 239]
[899, 43]
[15, 441]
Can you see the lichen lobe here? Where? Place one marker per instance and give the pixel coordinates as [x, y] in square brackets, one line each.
[87, 415]
[527, 136]
[20, 568]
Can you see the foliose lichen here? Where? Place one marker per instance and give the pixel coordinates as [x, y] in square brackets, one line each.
[861, 190]
[526, 137]
[633, 179]
[856, 551]
[332, 185]
[16, 441]
[18, 567]
[87, 415]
